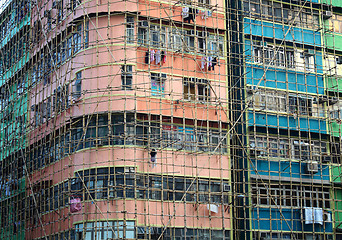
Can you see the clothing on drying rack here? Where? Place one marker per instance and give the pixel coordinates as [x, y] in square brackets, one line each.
[147, 56]
[202, 62]
[185, 12]
[190, 16]
[214, 63]
[152, 55]
[158, 57]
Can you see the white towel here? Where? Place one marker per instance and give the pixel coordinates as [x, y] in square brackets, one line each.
[318, 216]
[309, 215]
[185, 12]
[212, 208]
[313, 215]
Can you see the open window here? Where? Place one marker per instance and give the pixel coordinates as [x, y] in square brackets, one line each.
[60, 98]
[77, 87]
[126, 77]
[158, 84]
[196, 89]
[129, 29]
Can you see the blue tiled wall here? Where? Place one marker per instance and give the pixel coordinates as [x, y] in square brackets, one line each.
[261, 220]
[288, 169]
[278, 31]
[287, 122]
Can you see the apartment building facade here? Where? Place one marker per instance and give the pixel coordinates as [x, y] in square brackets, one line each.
[14, 65]
[284, 130]
[128, 126]
[201, 119]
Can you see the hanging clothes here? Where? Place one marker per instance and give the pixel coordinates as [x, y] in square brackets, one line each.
[212, 208]
[147, 56]
[158, 57]
[202, 62]
[163, 57]
[190, 15]
[214, 63]
[209, 62]
[75, 205]
[185, 12]
[152, 57]
[204, 14]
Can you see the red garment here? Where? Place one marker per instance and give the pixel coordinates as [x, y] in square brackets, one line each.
[75, 205]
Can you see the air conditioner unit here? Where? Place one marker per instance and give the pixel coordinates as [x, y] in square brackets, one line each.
[312, 167]
[100, 142]
[327, 217]
[310, 52]
[326, 159]
[339, 60]
[327, 14]
[226, 187]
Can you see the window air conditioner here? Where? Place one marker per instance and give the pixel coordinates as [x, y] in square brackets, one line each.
[339, 60]
[143, 24]
[312, 167]
[226, 187]
[327, 14]
[100, 142]
[326, 159]
[327, 217]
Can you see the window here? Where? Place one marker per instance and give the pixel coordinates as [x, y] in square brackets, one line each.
[263, 146]
[270, 100]
[158, 84]
[130, 29]
[308, 18]
[290, 59]
[176, 41]
[74, 4]
[60, 10]
[60, 99]
[126, 77]
[280, 12]
[125, 182]
[77, 86]
[105, 230]
[306, 150]
[273, 55]
[215, 45]
[48, 16]
[300, 105]
[290, 195]
[210, 43]
[182, 39]
[282, 235]
[279, 101]
[204, 2]
[151, 35]
[77, 39]
[336, 23]
[196, 89]
[309, 62]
